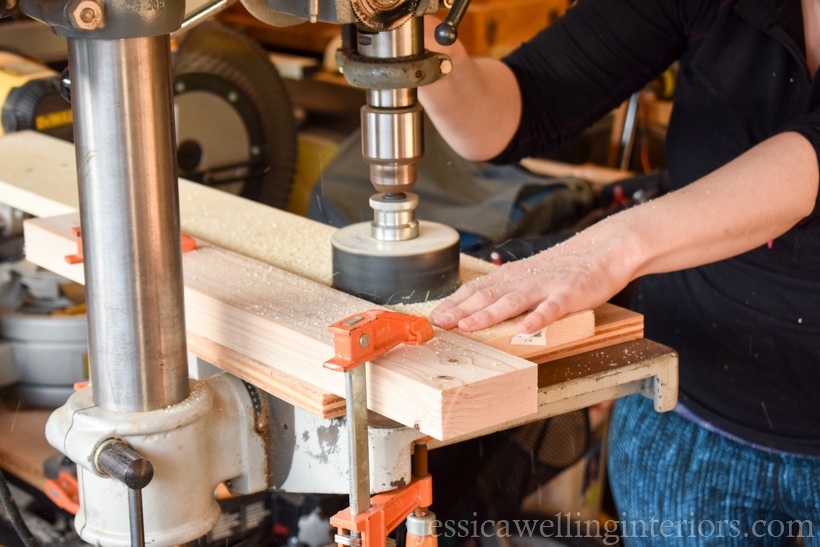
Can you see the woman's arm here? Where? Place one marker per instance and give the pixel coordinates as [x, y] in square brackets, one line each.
[477, 106]
[753, 199]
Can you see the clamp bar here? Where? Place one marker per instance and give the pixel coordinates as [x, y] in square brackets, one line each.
[358, 339]
[359, 451]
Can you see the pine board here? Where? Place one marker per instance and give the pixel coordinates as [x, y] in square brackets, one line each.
[288, 388]
[580, 381]
[23, 448]
[279, 321]
[38, 176]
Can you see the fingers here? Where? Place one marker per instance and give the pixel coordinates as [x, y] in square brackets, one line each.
[507, 292]
[548, 285]
[545, 313]
[447, 314]
[481, 304]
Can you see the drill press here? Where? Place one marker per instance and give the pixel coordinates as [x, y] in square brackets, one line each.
[140, 406]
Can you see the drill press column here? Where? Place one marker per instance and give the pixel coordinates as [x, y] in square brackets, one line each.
[395, 258]
[130, 221]
[120, 69]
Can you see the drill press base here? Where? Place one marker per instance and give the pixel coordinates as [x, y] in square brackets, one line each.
[396, 272]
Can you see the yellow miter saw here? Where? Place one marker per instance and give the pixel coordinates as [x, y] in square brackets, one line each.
[31, 98]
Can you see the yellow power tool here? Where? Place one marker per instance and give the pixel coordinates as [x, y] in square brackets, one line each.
[31, 99]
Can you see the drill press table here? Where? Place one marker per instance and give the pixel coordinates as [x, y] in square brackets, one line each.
[449, 400]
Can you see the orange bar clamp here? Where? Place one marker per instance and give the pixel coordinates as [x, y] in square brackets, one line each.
[363, 337]
[358, 339]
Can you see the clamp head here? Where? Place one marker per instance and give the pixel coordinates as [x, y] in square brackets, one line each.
[363, 337]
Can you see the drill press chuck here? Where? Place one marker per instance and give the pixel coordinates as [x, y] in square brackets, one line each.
[396, 272]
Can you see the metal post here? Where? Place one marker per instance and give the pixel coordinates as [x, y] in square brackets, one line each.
[356, 405]
[125, 146]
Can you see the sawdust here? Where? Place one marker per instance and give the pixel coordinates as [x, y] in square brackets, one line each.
[287, 241]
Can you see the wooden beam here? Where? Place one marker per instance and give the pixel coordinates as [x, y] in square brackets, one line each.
[268, 327]
[576, 382]
[288, 388]
[38, 176]
[279, 321]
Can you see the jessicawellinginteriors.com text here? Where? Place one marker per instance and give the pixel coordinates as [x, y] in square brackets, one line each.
[564, 526]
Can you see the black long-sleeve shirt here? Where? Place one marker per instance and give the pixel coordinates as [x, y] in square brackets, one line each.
[747, 329]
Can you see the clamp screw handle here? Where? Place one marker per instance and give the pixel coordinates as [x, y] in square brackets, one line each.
[116, 459]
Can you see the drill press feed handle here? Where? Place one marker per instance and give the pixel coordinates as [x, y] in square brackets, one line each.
[447, 31]
[362, 337]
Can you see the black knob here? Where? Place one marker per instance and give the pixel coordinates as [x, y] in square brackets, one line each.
[447, 32]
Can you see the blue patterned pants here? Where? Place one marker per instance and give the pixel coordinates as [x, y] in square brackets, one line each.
[675, 483]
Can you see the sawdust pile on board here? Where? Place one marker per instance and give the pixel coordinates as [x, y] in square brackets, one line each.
[284, 240]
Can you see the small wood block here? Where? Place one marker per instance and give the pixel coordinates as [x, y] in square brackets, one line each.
[567, 330]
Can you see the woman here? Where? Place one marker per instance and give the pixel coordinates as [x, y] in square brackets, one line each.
[729, 259]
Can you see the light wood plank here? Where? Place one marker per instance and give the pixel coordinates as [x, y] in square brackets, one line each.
[38, 176]
[580, 381]
[230, 317]
[292, 243]
[280, 320]
[23, 448]
[292, 390]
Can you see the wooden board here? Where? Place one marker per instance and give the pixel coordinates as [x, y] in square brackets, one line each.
[288, 388]
[23, 447]
[279, 321]
[580, 381]
[38, 176]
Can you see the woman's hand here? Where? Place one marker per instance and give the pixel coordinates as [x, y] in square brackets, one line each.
[569, 277]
